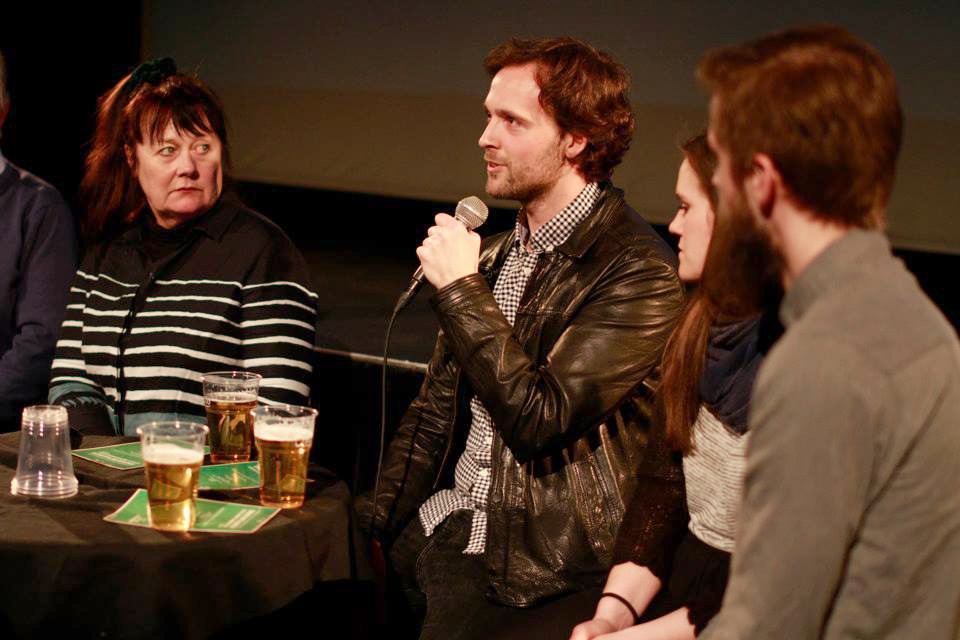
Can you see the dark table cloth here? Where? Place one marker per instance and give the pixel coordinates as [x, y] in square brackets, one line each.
[66, 570]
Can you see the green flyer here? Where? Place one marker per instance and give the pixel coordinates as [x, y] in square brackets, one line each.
[213, 516]
[227, 477]
[115, 456]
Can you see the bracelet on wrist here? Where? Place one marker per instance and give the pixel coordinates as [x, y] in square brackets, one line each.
[626, 603]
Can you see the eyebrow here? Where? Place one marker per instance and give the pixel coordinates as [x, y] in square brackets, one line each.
[166, 141]
[507, 113]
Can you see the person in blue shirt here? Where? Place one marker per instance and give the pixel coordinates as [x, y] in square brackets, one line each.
[38, 256]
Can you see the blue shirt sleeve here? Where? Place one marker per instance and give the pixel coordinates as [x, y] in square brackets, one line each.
[47, 260]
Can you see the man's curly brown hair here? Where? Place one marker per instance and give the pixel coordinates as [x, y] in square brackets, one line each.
[583, 89]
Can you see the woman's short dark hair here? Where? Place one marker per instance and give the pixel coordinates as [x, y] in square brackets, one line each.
[128, 114]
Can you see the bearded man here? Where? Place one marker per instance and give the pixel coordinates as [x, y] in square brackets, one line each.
[533, 418]
[850, 522]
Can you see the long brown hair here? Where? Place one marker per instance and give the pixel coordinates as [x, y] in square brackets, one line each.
[126, 115]
[684, 355]
[583, 89]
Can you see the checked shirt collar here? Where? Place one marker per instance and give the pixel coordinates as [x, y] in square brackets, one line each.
[558, 228]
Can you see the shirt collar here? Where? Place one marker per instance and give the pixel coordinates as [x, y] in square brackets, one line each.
[212, 224]
[558, 228]
[215, 222]
[857, 250]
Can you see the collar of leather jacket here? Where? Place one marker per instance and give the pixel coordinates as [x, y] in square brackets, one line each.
[584, 235]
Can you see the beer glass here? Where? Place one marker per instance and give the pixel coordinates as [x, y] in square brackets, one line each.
[283, 435]
[172, 455]
[230, 396]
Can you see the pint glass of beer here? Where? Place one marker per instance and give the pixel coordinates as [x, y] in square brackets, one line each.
[172, 454]
[283, 434]
[230, 397]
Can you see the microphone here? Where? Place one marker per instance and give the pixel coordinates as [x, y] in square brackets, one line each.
[471, 212]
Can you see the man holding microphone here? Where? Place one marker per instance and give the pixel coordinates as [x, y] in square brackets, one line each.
[508, 474]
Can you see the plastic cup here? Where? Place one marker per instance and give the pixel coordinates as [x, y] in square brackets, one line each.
[229, 397]
[172, 455]
[44, 464]
[283, 434]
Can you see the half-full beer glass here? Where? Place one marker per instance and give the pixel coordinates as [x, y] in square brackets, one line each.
[230, 397]
[283, 434]
[172, 455]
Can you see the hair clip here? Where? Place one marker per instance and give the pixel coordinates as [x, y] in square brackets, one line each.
[151, 72]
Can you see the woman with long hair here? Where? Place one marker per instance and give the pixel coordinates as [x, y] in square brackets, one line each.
[180, 278]
[672, 589]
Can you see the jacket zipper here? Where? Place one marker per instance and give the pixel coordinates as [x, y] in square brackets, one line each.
[493, 273]
[450, 438]
[122, 346]
[128, 327]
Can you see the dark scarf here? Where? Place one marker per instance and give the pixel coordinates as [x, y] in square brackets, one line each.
[734, 353]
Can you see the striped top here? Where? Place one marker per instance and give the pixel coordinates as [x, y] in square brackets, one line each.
[713, 473]
[140, 333]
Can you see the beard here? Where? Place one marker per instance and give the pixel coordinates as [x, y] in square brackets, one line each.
[528, 181]
[741, 274]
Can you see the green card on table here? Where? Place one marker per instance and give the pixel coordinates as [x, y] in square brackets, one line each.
[225, 477]
[117, 456]
[213, 516]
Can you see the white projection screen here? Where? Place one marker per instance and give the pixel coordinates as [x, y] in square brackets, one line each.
[386, 98]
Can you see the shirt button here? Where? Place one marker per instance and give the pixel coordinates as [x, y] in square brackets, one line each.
[484, 472]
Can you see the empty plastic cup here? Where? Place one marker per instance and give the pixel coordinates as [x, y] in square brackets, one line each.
[44, 465]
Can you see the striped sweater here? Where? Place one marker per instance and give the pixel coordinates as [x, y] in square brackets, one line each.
[713, 473]
[139, 333]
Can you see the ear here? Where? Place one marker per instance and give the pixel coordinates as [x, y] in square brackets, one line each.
[131, 157]
[573, 145]
[762, 185]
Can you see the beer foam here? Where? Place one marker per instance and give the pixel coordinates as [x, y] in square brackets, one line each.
[282, 432]
[228, 397]
[168, 453]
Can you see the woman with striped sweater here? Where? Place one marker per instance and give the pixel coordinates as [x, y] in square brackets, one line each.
[182, 279]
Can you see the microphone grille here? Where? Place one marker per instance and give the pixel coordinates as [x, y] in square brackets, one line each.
[472, 212]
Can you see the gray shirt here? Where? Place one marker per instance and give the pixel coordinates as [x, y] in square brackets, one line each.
[850, 523]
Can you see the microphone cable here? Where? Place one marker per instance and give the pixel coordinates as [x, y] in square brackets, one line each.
[383, 414]
[471, 212]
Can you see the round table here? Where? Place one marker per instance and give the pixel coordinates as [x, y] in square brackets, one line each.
[67, 570]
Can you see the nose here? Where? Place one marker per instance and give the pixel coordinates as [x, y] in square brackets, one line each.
[487, 138]
[186, 164]
[676, 225]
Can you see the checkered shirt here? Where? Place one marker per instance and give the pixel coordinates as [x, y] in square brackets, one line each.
[472, 474]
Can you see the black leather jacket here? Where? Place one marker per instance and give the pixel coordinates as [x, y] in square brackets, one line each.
[564, 387]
